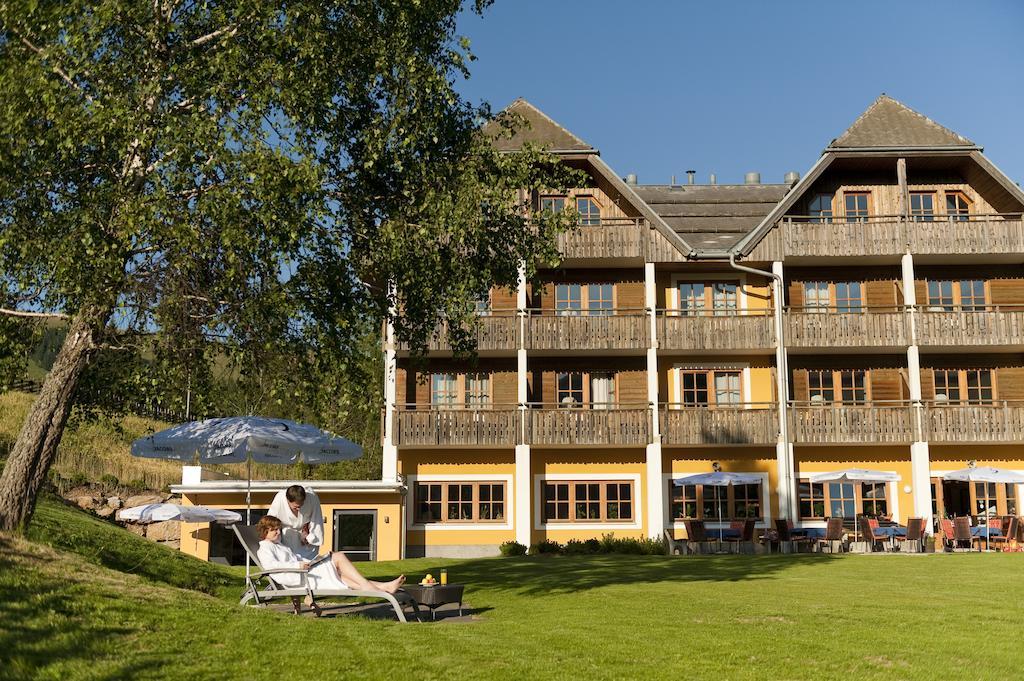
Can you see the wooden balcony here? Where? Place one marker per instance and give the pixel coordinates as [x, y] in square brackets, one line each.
[804, 236]
[721, 330]
[872, 423]
[430, 426]
[1001, 421]
[576, 330]
[959, 326]
[982, 234]
[746, 424]
[614, 238]
[496, 331]
[829, 328]
[547, 424]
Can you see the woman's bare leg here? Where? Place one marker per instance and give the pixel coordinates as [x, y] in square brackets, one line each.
[351, 576]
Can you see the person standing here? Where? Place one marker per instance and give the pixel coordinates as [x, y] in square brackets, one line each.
[302, 520]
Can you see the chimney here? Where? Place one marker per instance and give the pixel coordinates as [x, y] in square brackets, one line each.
[792, 177]
[631, 179]
[752, 178]
[672, 182]
[714, 179]
[691, 175]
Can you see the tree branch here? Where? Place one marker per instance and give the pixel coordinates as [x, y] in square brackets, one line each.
[55, 67]
[37, 315]
[229, 31]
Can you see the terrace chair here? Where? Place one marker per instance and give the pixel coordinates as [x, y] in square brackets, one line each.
[785, 532]
[962, 533]
[746, 530]
[674, 547]
[914, 541]
[1009, 533]
[248, 537]
[869, 531]
[948, 541]
[833, 536]
[696, 536]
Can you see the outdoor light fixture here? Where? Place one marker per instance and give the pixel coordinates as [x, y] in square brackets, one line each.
[716, 467]
[907, 489]
[972, 463]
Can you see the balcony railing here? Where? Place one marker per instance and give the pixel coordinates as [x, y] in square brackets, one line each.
[621, 329]
[1001, 421]
[748, 424]
[614, 424]
[827, 327]
[613, 238]
[842, 236]
[975, 233]
[715, 329]
[496, 330]
[429, 425]
[960, 325]
[876, 422]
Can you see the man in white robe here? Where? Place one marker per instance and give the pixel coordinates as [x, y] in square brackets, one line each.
[299, 510]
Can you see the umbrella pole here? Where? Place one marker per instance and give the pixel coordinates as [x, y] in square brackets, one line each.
[248, 503]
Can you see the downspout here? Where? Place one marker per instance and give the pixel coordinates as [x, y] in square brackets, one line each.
[781, 386]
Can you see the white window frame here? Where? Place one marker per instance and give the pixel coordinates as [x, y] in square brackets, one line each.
[410, 516]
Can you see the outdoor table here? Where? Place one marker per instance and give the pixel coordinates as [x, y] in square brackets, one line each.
[724, 533]
[979, 531]
[437, 595]
[810, 532]
[891, 531]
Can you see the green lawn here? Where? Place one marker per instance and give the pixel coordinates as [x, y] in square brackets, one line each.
[84, 599]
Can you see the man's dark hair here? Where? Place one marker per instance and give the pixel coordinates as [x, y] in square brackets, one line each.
[295, 493]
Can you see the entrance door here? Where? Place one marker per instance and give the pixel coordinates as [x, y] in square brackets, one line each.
[355, 533]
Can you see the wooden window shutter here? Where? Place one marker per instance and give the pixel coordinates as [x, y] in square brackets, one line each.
[927, 384]
[801, 391]
[796, 293]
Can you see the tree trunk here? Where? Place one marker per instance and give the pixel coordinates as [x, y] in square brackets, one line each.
[36, 447]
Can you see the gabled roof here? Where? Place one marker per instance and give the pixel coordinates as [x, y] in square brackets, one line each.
[715, 216]
[538, 129]
[888, 123]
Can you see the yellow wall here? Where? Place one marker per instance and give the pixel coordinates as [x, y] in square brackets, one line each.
[195, 537]
[809, 460]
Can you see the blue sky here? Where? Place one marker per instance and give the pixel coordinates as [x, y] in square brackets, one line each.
[730, 87]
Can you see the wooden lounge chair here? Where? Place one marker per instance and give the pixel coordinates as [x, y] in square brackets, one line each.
[674, 547]
[913, 542]
[833, 536]
[696, 537]
[962, 534]
[746, 530]
[787, 542]
[248, 537]
[1008, 535]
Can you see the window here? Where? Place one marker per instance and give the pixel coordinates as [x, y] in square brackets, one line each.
[873, 500]
[848, 296]
[726, 387]
[812, 499]
[589, 210]
[691, 298]
[820, 208]
[979, 386]
[952, 385]
[856, 206]
[816, 296]
[853, 386]
[940, 296]
[696, 297]
[724, 297]
[1011, 499]
[972, 295]
[842, 499]
[444, 390]
[459, 502]
[588, 501]
[568, 299]
[478, 390]
[948, 295]
[947, 385]
[711, 502]
[820, 387]
[602, 390]
[600, 299]
[922, 206]
[842, 502]
[555, 204]
[570, 389]
[985, 499]
[957, 206]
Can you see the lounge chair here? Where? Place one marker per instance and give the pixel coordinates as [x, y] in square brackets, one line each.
[787, 542]
[833, 535]
[914, 541]
[962, 534]
[249, 539]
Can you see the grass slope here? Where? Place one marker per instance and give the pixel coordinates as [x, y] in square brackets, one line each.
[87, 600]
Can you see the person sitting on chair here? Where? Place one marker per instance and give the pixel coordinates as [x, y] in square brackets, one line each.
[298, 509]
[338, 572]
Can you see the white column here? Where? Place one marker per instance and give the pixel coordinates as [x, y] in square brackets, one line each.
[920, 457]
[784, 459]
[655, 468]
[389, 464]
[523, 510]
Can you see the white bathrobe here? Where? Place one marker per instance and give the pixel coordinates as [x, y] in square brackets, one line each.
[322, 577]
[291, 532]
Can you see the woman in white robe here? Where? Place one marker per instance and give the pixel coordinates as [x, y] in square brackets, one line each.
[337, 573]
[298, 509]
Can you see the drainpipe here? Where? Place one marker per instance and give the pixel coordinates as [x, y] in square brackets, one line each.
[780, 375]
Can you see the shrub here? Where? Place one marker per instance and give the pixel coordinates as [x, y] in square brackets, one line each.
[575, 547]
[631, 546]
[109, 482]
[546, 547]
[512, 548]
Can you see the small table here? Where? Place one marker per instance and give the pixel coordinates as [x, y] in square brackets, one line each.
[435, 596]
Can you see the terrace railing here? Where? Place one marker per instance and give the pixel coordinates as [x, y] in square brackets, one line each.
[996, 421]
[496, 425]
[843, 236]
[619, 329]
[834, 423]
[751, 423]
[612, 238]
[973, 233]
[588, 424]
[808, 327]
[959, 325]
[715, 329]
[496, 330]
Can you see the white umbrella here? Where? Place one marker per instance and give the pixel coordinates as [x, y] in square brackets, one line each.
[719, 479]
[154, 513]
[985, 474]
[855, 475]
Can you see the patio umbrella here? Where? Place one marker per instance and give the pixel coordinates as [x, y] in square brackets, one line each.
[155, 513]
[719, 479]
[246, 439]
[854, 475]
[985, 474]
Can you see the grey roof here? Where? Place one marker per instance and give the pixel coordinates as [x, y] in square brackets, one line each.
[535, 127]
[890, 124]
[712, 216]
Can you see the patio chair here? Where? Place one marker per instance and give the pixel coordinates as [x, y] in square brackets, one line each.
[913, 542]
[746, 530]
[674, 547]
[948, 541]
[869, 533]
[696, 536]
[784, 529]
[962, 534]
[248, 537]
[1008, 535]
[833, 536]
